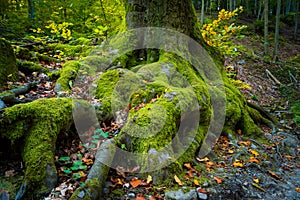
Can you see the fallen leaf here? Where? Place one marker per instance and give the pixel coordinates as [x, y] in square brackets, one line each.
[237, 163]
[253, 160]
[255, 153]
[297, 189]
[258, 187]
[218, 180]
[230, 151]
[246, 143]
[149, 179]
[196, 182]
[210, 163]
[188, 165]
[135, 182]
[178, 180]
[190, 174]
[140, 197]
[255, 180]
[203, 159]
[273, 174]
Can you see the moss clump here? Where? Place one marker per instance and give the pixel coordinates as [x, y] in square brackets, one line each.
[35, 126]
[29, 67]
[81, 41]
[8, 67]
[67, 74]
[70, 50]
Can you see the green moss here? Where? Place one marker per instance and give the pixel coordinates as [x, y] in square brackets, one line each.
[70, 50]
[29, 67]
[8, 67]
[81, 41]
[67, 74]
[36, 126]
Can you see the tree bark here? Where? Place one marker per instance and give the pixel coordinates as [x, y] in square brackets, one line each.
[276, 41]
[266, 26]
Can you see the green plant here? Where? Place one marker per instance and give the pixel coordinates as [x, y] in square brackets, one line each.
[221, 31]
[296, 111]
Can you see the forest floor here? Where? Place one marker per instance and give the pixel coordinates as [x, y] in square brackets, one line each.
[237, 168]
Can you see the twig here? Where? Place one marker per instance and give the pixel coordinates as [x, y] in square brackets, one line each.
[273, 77]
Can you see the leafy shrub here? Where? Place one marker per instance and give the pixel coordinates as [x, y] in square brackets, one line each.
[220, 32]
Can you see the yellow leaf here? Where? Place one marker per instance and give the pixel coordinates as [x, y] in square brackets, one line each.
[21, 96]
[178, 180]
[230, 151]
[258, 187]
[255, 153]
[255, 180]
[188, 165]
[149, 179]
[203, 159]
[297, 189]
[238, 163]
[253, 160]
[196, 182]
[246, 143]
[9, 75]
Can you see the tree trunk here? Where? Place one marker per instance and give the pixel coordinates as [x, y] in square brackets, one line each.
[8, 67]
[266, 26]
[31, 9]
[276, 42]
[296, 20]
[202, 12]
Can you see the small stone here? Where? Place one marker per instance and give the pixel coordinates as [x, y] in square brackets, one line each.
[131, 195]
[81, 194]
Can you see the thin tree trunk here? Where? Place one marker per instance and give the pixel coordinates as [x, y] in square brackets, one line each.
[202, 12]
[230, 5]
[259, 9]
[277, 30]
[266, 20]
[288, 7]
[30, 9]
[296, 20]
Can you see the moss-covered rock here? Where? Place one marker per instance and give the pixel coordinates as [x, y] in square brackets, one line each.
[29, 67]
[67, 75]
[34, 127]
[8, 67]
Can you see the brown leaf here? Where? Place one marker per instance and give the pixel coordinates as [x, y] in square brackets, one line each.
[297, 189]
[140, 197]
[218, 180]
[273, 174]
[246, 143]
[190, 174]
[135, 182]
[178, 181]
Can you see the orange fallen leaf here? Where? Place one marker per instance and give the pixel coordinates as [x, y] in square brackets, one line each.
[253, 160]
[188, 165]
[210, 163]
[255, 153]
[190, 174]
[196, 182]
[140, 197]
[246, 143]
[219, 180]
[297, 189]
[178, 181]
[237, 163]
[135, 182]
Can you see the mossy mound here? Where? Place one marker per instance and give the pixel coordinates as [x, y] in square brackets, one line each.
[8, 67]
[35, 126]
[29, 67]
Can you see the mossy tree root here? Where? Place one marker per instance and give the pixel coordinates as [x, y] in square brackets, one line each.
[35, 126]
